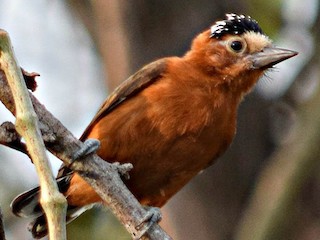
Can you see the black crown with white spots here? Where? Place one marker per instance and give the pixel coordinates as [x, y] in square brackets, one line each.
[234, 24]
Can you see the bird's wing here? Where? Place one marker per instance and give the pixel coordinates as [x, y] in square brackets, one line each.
[134, 84]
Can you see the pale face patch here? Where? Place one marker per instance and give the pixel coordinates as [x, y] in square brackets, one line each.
[256, 41]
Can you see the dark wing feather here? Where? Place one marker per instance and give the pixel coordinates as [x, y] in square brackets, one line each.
[133, 85]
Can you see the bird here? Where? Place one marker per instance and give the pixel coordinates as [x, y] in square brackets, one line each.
[171, 119]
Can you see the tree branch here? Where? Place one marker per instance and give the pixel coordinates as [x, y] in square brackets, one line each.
[11, 138]
[102, 176]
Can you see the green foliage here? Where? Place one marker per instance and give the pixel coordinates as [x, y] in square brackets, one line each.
[96, 224]
[268, 14]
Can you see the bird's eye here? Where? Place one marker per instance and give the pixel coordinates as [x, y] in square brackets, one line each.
[236, 45]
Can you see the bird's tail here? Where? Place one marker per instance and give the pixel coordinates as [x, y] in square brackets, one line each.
[27, 205]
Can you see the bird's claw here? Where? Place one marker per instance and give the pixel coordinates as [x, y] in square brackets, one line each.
[123, 169]
[89, 146]
[152, 216]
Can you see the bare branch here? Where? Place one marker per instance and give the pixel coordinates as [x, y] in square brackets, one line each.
[102, 176]
[11, 138]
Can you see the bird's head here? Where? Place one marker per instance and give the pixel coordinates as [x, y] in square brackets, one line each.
[236, 52]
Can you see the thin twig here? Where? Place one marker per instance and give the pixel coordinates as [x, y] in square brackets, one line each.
[52, 201]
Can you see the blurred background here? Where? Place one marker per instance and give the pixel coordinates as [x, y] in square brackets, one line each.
[267, 185]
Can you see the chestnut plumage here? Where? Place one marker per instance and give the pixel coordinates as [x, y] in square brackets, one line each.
[171, 119]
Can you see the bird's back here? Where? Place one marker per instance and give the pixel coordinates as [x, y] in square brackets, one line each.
[166, 142]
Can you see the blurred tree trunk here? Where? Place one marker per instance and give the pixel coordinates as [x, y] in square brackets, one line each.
[105, 21]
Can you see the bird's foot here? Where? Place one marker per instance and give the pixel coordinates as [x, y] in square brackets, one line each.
[152, 216]
[123, 169]
[89, 146]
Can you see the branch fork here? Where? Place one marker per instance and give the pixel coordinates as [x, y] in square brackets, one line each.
[103, 177]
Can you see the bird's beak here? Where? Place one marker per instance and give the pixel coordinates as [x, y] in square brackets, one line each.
[270, 56]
